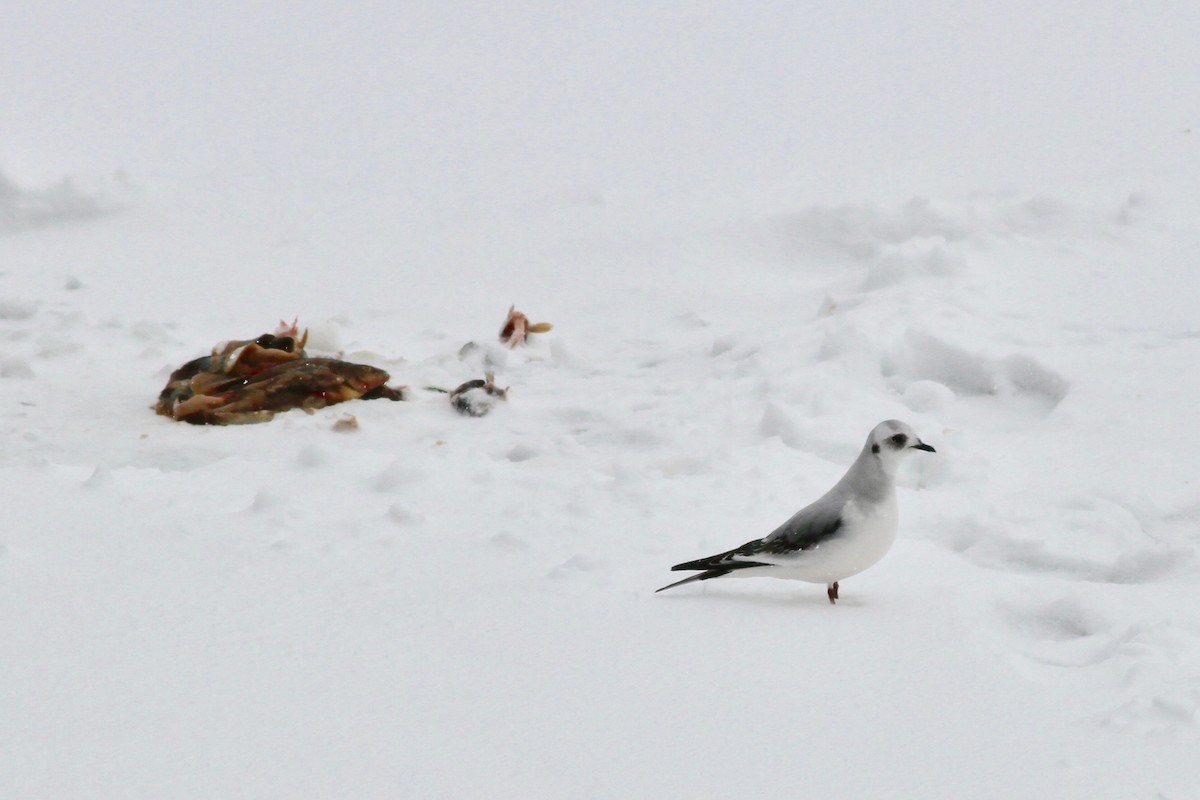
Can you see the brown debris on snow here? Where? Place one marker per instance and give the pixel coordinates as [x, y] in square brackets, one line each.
[517, 327]
[250, 380]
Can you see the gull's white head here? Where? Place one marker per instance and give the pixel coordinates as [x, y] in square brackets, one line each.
[892, 440]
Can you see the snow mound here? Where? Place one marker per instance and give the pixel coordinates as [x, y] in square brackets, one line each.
[930, 361]
[1084, 538]
[14, 367]
[61, 203]
[864, 231]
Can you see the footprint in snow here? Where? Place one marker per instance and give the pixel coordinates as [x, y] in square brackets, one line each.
[401, 514]
[577, 565]
[1146, 671]
[1064, 633]
[508, 542]
[1086, 538]
[397, 474]
[311, 456]
[17, 310]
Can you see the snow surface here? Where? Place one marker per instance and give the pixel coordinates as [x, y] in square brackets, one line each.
[759, 229]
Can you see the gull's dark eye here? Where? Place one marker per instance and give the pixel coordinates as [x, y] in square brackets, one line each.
[899, 440]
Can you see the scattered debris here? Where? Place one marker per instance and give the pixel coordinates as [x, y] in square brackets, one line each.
[345, 423]
[292, 331]
[484, 357]
[250, 380]
[475, 398]
[478, 397]
[517, 327]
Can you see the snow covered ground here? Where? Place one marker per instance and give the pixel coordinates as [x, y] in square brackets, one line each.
[758, 230]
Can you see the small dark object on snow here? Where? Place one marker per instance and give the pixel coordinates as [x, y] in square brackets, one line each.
[250, 380]
[476, 398]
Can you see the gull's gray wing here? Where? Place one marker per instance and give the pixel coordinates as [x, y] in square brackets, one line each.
[807, 528]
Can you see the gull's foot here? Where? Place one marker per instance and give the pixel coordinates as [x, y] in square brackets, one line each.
[831, 590]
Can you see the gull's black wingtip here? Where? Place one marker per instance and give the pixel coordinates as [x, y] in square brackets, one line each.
[715, 572]
[688, 579]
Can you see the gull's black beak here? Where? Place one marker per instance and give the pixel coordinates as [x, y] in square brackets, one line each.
[925, 447]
